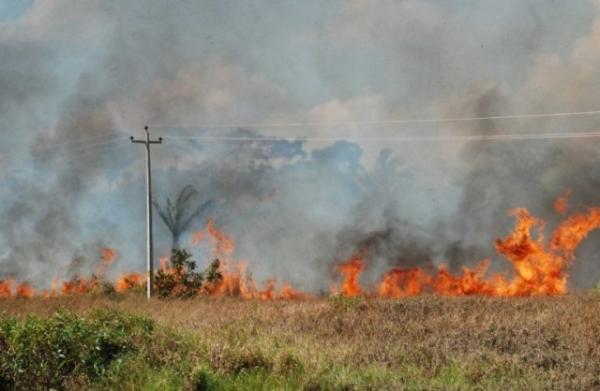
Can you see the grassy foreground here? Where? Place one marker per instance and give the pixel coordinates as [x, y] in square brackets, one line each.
[424, 342]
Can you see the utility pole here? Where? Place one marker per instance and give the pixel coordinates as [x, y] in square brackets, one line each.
[150, 249]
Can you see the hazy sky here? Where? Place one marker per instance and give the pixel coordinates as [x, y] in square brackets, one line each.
[77, 73]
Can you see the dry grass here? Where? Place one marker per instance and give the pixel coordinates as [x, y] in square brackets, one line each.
[424, 342]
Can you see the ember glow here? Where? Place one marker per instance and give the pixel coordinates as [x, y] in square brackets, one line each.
[539, 266]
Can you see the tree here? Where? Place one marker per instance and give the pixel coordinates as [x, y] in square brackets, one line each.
[178, 215]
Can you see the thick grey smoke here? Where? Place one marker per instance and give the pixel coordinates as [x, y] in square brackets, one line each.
[103, 69]
[501, 176]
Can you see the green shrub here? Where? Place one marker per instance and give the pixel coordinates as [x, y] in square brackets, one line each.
[66, 350]
[182, 280]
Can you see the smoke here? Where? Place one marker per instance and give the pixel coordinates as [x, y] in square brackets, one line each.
[89, 72]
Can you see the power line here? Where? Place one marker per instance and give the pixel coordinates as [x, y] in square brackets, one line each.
[115, 134]
[88, 149]
[46, 150]
[377, 122]
[80, 152]
[489, 137]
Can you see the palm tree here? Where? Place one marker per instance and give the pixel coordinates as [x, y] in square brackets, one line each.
[178, 215]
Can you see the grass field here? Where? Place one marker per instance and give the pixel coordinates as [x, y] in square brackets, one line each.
[425, 342]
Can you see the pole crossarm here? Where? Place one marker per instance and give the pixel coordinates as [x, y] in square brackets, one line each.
[147, 141]
[141, 141]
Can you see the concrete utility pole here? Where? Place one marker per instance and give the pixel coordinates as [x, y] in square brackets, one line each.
[150, 250]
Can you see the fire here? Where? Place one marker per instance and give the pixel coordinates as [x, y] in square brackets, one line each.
[129, 281]
[25, 290]
[288, 293]
[197, 237]
[351, 270]
[539, 267]
[6, 289]
[107, 257]
[223, 244]
[164, 264]
[236, 279]
[401, 283]
[79, 286]
[470, 282]
[569, 234]
[561, 204]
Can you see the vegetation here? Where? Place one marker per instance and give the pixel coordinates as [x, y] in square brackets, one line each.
[181, 279]
[426, 342]
[178, 215]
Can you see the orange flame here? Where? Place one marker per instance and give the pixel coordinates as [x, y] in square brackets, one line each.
[164, 265]
[25, 290]
[569, 234]
[351, 270]
[562, 203]
[223, 244]
[236, 280]
[79, 286]
[129, 281]
[107, 257]
[6, 289]
[539, 267]
[197, 237]
[401, 283]
[288, 293]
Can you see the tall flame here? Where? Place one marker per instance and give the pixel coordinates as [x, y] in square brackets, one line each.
[236, 279]
[539, 267]
[351, 270]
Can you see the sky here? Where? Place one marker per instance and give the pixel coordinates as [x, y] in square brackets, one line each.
[78, 77]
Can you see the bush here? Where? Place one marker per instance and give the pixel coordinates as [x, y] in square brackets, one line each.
[182, 280]
[66, 350]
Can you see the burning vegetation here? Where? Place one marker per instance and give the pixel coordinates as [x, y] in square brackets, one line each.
[540, 266]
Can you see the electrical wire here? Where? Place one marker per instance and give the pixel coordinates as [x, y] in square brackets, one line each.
[376, 122]
[458, 138]
[72, 157]
[73, 146]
